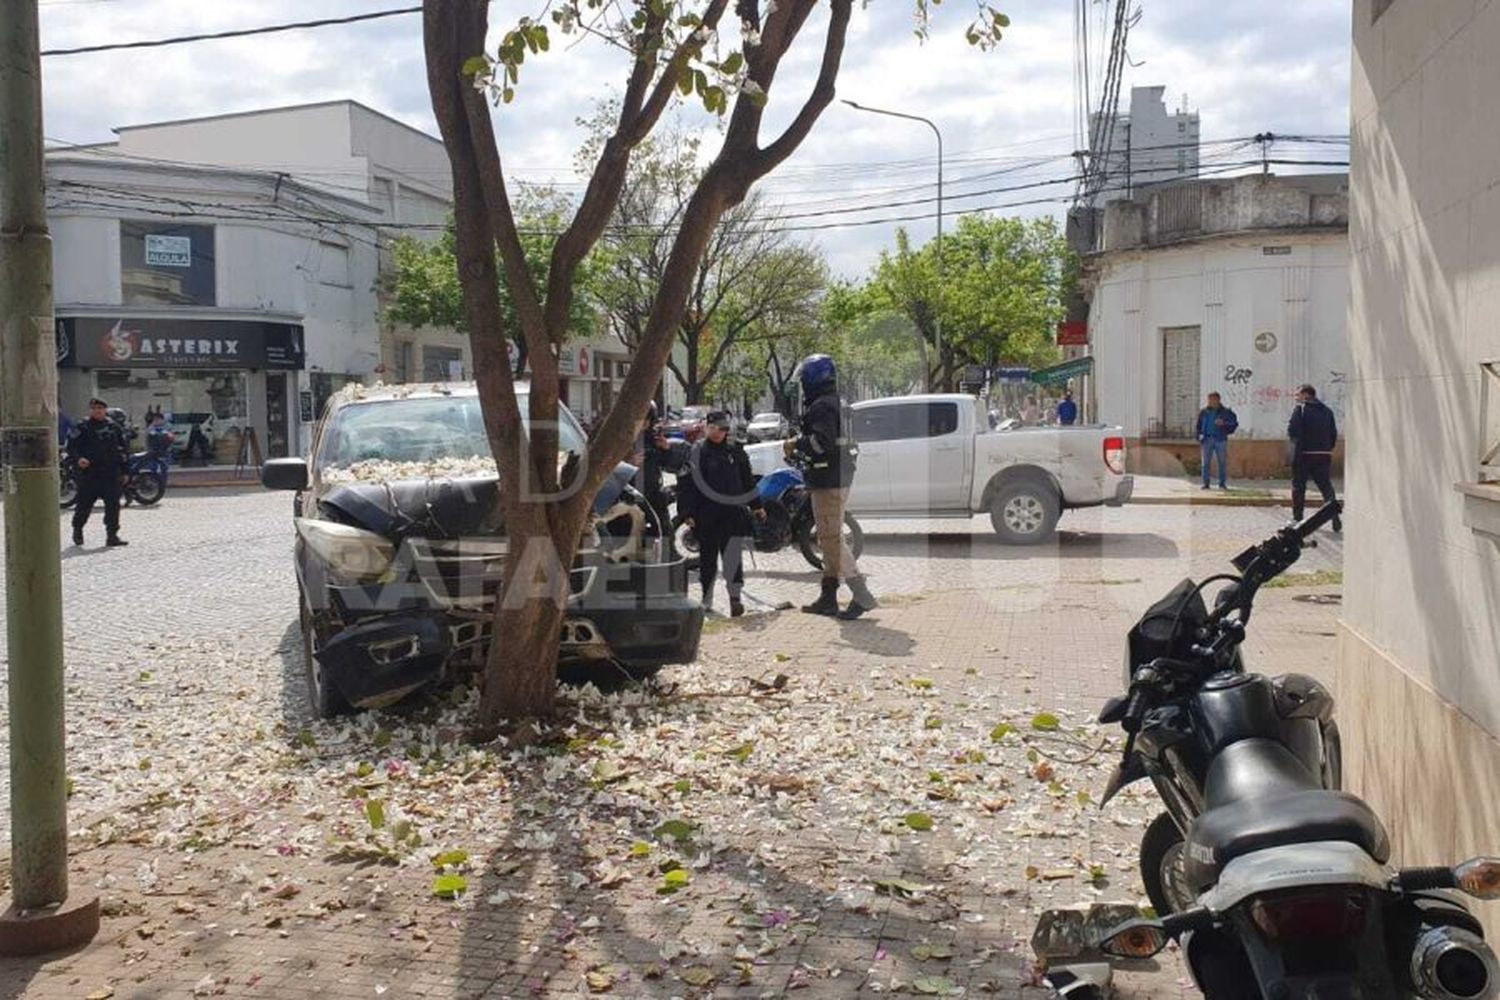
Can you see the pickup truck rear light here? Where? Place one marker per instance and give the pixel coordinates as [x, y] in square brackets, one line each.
[1114, 455]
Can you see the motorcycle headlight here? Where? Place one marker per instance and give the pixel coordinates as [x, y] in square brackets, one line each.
[351, 554]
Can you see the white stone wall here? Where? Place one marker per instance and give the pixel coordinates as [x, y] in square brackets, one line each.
[1237, 294]
[1423, 587]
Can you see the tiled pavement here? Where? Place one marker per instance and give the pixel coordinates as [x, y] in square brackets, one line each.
[992, 628]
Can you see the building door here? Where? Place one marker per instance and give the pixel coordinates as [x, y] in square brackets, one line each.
[278, 428]
[1181, 379]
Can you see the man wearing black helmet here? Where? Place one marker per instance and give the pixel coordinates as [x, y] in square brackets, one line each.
[828, 457]
[99, 448]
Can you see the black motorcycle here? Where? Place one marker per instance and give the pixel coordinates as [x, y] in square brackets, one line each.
[788, 521]
[1274, 881]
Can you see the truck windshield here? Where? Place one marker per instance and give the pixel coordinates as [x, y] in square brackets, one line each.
[425, 430]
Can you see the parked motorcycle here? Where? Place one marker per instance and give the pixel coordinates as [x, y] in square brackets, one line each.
[1274, 882]
[789, 519]
[67, 476]
[145, 478]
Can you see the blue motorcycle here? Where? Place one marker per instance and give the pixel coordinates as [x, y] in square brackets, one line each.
[789, 518]
[146, 478]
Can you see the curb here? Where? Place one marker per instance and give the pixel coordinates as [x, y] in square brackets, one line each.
[1210, 501]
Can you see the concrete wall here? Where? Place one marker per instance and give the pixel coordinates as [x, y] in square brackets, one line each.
[315, 142]
[1235, 293]
[1419, 674]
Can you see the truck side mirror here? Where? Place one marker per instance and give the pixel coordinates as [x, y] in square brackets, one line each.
[284, 474]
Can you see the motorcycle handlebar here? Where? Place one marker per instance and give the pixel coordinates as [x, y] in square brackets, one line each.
[1135, 711]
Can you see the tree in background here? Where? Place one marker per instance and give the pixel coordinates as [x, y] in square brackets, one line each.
[424, 288]
[668, 48]
[1000, 293]
[752, 281]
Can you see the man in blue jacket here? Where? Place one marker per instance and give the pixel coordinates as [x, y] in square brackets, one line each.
[1067, 410]
[1314, 433]
[1216, 422]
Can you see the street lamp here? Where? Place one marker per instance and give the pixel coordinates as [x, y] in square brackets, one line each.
[938, 318]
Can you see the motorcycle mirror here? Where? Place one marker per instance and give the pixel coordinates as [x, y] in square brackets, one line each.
[1227, 595]
[1136, 939]
[1479, 877]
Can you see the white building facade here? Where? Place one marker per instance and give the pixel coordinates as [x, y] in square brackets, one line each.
[1238, 287]
[347, 149]
[216, 296]
[1418, 677]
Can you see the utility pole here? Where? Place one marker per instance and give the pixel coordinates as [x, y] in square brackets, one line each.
[937, 333]
[40, 917]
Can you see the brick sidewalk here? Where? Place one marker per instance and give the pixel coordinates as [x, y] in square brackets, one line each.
[795, 799]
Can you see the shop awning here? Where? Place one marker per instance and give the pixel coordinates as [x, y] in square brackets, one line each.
[1059, 374]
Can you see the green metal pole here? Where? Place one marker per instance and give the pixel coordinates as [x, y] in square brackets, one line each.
[28, 479]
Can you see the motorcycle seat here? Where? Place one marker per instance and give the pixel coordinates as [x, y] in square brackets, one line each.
[1258, 795]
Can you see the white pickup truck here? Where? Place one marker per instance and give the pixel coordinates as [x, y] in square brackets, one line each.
[934, 456]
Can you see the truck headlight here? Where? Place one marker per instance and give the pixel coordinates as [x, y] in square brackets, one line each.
[351, 554]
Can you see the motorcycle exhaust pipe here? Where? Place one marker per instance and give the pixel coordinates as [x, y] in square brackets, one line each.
[1450, 963]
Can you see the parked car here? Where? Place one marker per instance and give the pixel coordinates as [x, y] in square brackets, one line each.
[933, 456]
[768, 427]
[686, 423]
[400, 549]
[193, 434]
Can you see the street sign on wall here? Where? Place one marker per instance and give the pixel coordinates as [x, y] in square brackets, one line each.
[1072, 334]
[1014, 375]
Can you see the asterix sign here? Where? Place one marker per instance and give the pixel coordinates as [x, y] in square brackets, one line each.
[99, 342]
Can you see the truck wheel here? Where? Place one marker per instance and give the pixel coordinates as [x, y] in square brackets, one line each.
[324, 700]
[1025, 512]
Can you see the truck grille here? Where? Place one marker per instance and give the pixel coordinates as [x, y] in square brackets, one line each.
[466, 575]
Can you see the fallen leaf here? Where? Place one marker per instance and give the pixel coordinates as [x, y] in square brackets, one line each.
[678, 830]
[103, 993]
[600, 980]
[902, 887]
[375, 812]
[673, 880]
[449, 886]
[1001, 731]
[923, 952]
[450, 859]
[697, 975]
[922, 683]
[919, 821]
[936, 986]
[1045, 722]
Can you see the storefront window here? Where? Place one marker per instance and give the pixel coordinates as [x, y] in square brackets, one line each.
[442, 364]
[164, 263]
[207, 410]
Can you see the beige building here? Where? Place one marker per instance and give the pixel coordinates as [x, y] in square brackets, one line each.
[1419, 672]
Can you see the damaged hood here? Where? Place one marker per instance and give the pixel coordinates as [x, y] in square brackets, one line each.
[431, 508]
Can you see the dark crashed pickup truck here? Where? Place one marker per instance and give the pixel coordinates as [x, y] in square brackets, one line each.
[400, 550]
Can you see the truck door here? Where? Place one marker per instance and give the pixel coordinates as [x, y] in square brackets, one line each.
[927, 457]
[871, 490]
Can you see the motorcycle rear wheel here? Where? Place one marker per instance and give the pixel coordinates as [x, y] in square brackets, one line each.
[1163, 857]
[147, 488]
[807, 539]
[67, 491]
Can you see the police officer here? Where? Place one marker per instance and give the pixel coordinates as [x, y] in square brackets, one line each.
[713, 494]
[828, 458]
[654, 455]
[99, 448]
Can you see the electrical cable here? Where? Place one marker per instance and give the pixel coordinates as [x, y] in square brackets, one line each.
[152, 43]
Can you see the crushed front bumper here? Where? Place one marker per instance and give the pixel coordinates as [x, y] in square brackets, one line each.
[390, 639]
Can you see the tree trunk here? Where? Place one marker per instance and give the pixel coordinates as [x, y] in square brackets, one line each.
[692, 388]
[521, 666]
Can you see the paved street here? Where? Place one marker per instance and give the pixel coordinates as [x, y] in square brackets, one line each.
[213, 817]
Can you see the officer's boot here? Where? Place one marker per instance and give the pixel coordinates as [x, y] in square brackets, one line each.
[862, 600]
[115, 541]
[828, 601]
[736, 605]
[77, 535]
[708, 598]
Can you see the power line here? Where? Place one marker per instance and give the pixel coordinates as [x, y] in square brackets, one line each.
[152, 43]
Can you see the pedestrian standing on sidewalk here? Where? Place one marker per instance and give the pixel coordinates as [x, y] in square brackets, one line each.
[1314, 433]
[713, 498]
[1067, 410]
[98, 447]
[827, 455]
[1216, 423]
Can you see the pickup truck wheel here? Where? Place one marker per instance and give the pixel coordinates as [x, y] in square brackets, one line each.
[1025, 512]
[322, 697]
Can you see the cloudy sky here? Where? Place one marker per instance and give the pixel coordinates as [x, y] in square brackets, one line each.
[1007, 116]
